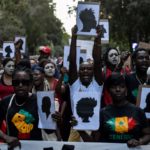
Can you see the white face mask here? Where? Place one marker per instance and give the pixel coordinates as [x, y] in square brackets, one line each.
[113, 57]
[9, 68]
[49, 69]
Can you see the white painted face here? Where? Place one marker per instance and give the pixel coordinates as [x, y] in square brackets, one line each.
[49, 69]
[113, 57]
[9, 68]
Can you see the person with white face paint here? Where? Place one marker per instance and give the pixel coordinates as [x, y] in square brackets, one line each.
[113, 57]
[49, 70]
[113, 63]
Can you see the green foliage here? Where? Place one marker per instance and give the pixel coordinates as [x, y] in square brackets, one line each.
[129, 20]
[33, 18]
[10, 25]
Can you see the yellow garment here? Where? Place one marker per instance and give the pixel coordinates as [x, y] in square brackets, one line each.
[74, 136]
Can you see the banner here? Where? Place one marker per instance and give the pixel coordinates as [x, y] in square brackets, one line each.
[53, 145]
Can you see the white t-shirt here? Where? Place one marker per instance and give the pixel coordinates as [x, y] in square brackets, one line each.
[77, 86]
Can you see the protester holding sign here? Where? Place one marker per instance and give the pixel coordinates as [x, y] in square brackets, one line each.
[120, 122]
[41, 84]
[89, 77]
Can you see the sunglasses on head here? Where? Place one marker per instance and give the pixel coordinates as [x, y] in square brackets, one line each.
[23, 82]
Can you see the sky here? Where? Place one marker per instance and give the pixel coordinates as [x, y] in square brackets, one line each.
[62, 13]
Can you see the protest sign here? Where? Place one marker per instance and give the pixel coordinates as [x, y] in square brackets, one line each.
[8, 49]
[87, 18]
[46, 107]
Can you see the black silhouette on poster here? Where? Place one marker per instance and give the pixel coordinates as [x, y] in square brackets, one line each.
[19, 44]
[85, 108]
[103, 31]
[46, 104]
[88, 20]
[64, 147]
[68, 58]
[48, 148]
[81, 60]
[147, 101]
[8, 51]
[68, 147]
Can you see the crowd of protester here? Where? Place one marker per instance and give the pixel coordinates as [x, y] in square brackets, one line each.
[117, 86]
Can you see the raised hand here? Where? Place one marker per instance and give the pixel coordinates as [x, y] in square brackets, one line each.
[133, 143]
[73, 121]
[12, 142]
[74, 30]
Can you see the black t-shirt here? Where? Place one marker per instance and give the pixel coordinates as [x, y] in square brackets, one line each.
[132, 86]
[22, 121]
[120, 124]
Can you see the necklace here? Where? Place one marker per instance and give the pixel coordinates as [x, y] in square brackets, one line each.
[19, 104]
[140, 81]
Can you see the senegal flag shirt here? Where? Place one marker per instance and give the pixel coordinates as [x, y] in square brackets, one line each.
[120, 124]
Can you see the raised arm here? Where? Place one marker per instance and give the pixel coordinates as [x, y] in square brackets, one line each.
[18, 45]
[97, 57]
[73, 74]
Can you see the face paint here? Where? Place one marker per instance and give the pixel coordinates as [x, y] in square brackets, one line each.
[113, 57]
[49, 69]
[9, 68]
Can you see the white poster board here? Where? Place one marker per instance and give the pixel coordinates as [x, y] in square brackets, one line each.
[23, 38]
[87, 18]
[86, 110]
[144, 99]
[105, 30]
[46, 107]
[66, 56]
[83, 55]
[87, 45]
[8, 49]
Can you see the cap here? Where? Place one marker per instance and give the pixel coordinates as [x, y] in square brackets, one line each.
[45, 49]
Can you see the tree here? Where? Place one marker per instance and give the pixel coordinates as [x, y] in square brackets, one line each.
[35, 19]
[10, 25]
[129, 20]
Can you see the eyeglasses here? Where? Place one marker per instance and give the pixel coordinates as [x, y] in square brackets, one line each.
[23, 82]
